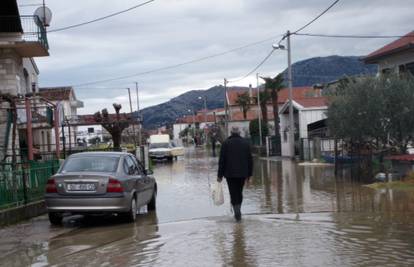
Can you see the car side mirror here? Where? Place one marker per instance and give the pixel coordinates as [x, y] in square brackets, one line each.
[149, 172]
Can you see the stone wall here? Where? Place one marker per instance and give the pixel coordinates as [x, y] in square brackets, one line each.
[11, 74]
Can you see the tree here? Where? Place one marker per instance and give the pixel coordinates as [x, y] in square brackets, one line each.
[243, 100]
[377, 112]
[274, 85]
[264, 98]
[254, 129]
[114, 127]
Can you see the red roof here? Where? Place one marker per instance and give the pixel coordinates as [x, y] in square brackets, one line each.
[56, 93]
[404, 43]
[189, 119]
[283, 95]
[312, 102]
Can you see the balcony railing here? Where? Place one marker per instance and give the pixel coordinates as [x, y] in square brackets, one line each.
[31, 28]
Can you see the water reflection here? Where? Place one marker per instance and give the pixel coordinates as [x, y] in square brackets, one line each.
[299, 216]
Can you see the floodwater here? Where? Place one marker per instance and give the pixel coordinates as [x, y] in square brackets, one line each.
[293, 216]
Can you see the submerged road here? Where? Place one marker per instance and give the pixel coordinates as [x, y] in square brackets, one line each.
[294, 216]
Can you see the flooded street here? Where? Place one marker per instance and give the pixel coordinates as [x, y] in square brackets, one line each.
[293, 216]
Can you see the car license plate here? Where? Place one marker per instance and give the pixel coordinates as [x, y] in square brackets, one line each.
[81, 187]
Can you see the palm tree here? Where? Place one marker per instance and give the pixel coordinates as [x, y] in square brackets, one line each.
[243, 100]
[274, 85]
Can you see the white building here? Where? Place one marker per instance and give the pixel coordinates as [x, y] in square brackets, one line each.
[65, 99]
[397, 56]
[306, 111]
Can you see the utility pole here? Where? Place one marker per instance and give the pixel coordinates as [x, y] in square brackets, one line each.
[291, 123]
[130, 107]
[259, 110]
[226, 116]
[138, 116]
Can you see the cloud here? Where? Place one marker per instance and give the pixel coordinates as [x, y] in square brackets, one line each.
[167, 32]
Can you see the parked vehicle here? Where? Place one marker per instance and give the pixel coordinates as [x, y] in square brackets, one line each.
[100, 182]
[176, 150]
[160, 147]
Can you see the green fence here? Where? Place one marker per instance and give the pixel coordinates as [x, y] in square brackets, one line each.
[26, 183]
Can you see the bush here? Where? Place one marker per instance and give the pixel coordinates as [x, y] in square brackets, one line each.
[254, 129]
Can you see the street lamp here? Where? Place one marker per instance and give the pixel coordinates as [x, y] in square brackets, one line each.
[291, 123]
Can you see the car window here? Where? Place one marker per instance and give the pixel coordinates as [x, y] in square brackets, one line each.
[90, 164]
[129, 165]
[139, 165]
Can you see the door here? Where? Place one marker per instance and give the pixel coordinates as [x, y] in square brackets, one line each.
[148, 182]
[137, 180]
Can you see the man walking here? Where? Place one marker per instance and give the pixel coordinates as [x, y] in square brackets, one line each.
[236, 165]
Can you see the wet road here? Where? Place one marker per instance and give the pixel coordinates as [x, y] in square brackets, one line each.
[295, 216]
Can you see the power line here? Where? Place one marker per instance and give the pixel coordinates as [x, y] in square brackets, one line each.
[295, 32]
[27, 5]
[317, 17]
[101, 18]
[354, 36]
[179, 64]
[253, 70]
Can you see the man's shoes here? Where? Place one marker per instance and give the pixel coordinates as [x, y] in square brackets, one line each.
[237, 212]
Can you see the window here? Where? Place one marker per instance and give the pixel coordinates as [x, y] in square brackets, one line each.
[139, 166]
[129, 166]
[91, 164]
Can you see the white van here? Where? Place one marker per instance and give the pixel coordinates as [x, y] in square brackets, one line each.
[161, 147]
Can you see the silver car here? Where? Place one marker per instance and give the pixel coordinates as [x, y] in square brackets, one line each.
[100, 182]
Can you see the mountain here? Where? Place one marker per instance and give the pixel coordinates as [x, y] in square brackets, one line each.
[305, 73]
[169, 111]
[326, 69]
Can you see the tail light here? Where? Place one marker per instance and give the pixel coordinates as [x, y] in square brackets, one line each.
[51, 186]
[114, 186]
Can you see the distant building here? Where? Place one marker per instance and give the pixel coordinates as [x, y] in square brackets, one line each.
[397, 56]
[64, 97]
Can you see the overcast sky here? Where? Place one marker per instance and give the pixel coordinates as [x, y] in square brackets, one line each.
[168, 32]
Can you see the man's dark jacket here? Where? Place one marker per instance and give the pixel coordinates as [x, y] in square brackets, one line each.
[235, 158]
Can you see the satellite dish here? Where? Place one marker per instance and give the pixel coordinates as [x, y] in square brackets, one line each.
[44, 14]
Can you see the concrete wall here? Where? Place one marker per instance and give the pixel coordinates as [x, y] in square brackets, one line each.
[394, 61]
[14, 215]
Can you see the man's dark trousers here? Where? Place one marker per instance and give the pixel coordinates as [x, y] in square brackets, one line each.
[236, 190]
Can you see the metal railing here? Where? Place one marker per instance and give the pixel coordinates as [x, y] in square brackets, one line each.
[31, 28]
[26, 183]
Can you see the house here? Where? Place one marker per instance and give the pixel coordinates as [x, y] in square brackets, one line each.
[65, 99]
[201, 120]
[21, 39]
[309, 106]
[306, 111]
[397, 56]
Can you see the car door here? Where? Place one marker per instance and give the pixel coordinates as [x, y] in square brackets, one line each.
[147, 181]
[138, 179]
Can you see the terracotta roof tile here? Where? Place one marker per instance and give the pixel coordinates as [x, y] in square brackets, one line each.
[312, 102]
[298, 92]
[403, 43]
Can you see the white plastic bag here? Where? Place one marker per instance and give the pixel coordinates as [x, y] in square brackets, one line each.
[217, 193]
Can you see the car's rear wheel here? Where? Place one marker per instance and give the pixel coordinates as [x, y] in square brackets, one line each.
[131, 215]
[55, 218]
[153, 202]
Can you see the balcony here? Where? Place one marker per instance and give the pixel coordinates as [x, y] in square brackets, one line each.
[25, 34]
